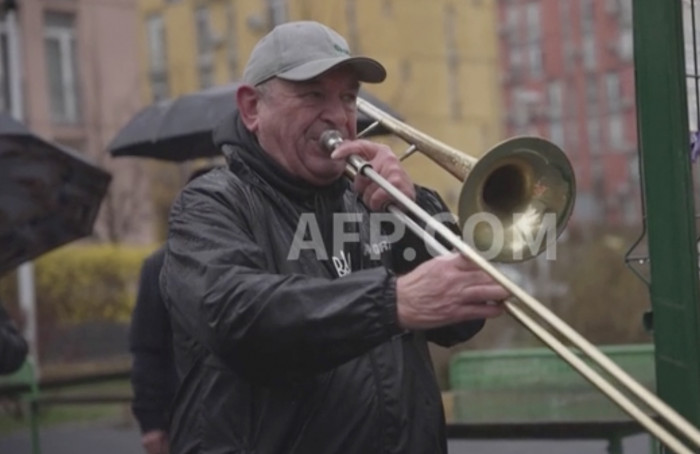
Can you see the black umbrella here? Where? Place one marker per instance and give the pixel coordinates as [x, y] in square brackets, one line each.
[49, 195]
[180, 129]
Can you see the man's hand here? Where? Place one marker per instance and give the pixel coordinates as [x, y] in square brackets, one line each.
[385, 163]
[155, 442]
[446, 290]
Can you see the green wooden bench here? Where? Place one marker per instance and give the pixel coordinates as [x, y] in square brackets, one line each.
[532, 393]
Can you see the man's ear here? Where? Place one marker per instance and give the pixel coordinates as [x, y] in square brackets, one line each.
[247, 98]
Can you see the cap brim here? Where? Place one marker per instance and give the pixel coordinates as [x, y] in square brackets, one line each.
[367, 69]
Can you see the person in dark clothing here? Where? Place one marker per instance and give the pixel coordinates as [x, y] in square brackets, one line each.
[13, 347]
[300, 322]
[153, 376]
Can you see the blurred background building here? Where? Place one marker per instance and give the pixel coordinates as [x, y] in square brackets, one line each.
[567, 74]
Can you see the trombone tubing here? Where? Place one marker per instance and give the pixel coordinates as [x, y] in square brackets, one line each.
[359, 165]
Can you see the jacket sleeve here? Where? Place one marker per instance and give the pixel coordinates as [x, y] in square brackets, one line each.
[220, 286]
[153, 376]
[13, 347]
[433, 204]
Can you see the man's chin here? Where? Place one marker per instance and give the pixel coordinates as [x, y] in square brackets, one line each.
[328, 176]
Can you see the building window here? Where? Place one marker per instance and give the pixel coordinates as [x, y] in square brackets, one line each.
[691, 33]
[589, 54]
[564, 18]
[633, 168]
[572, 142]
[534, 28]
[5, 96]
[625, 8]
[351, 18]
[232, 42]
[598, 179]
[534, 54]
[277, 11]
[157, 55]
[616, 132]
[452, 62]
[525, 102]
[568, 48]
[556, 133]
[592, 94]
[626, 39]
[613, 92]
[593, 128]
[203, 27]
[205, 49]
[534, 33]
[61, 66]
[588, 31]
[587, 207]
[516, 59]
[587, 17]
[693, 103]
[572, 101]
[626, 45]
[511, 25]
[555, 93]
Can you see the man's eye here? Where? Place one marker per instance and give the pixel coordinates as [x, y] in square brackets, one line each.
[350, 99]
[317, 95]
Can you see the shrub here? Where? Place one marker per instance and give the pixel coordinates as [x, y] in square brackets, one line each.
[84, 283]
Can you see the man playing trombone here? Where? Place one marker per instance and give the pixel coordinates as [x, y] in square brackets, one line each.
[295, 331]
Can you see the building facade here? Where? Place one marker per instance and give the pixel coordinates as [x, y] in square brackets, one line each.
[441, 56]
[78, 83]
[568, 75]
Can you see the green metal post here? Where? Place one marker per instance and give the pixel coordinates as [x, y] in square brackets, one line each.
[662, 117]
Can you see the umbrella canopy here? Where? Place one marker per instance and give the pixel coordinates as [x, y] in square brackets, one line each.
[49, 195]
[180, 129]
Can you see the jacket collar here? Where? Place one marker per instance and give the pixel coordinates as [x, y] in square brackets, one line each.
[245, 156]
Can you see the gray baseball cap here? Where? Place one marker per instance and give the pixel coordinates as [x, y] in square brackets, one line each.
[299, 51]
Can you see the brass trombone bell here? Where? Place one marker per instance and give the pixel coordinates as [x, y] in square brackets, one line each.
[524, 184]
[528, 184]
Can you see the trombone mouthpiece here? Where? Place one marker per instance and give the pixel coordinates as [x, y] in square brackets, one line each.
[331, 139]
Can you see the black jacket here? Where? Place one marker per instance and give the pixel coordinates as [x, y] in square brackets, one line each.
[153, 375]
[279, 354]
[13, 347]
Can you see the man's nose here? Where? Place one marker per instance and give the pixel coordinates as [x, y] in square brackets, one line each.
[336, 112]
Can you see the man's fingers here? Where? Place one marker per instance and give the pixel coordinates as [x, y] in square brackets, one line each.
[365, 150]
[471, 311]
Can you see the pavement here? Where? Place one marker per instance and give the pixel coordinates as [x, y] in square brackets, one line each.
[120, 438]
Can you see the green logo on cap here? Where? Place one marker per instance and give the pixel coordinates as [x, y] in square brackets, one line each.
[341, 50]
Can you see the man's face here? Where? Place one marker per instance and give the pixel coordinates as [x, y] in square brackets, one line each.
[291, 117]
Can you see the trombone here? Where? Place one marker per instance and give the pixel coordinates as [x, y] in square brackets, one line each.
[532, 176]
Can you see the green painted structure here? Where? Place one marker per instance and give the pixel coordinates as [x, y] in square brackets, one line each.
[662, 116]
